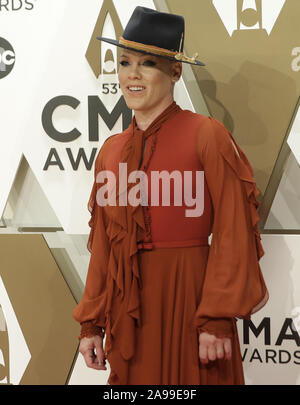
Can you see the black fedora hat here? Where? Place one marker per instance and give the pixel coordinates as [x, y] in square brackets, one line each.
[155, 33]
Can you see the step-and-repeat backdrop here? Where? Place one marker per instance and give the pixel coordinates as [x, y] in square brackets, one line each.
[60, 99]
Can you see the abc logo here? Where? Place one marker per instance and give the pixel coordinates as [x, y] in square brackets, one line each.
[7, 58]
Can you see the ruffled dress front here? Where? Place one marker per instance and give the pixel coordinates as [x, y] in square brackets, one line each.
[153, 298]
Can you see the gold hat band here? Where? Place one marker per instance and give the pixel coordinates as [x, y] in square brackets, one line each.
[155, 49]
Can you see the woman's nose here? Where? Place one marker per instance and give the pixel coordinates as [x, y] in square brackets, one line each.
[134, 72]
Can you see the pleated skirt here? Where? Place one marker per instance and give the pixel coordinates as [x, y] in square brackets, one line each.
[167, 343]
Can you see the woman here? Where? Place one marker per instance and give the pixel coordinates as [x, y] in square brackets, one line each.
[166, 299]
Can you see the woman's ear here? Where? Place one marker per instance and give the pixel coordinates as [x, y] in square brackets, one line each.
[176, 71]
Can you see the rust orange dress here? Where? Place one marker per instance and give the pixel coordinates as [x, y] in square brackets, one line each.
[154, 282]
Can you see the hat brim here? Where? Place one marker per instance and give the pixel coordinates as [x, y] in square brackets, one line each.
[115, 42]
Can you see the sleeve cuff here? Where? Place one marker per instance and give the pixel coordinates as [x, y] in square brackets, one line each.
[219, 327]
[89, 329]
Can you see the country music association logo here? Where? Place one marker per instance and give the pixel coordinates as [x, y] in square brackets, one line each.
[268, 342]
[102, 57]
[240, 15]
[103, 61]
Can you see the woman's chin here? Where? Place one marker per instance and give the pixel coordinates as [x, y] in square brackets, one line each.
[135, 105]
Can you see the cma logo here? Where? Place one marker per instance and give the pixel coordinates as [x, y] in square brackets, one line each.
[102, 59]
[238, 15]
[101, 56]
[278, 352]
[96, 108]
[7, 57]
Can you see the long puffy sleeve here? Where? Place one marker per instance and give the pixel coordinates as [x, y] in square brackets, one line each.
[233, 286]
[90, 312]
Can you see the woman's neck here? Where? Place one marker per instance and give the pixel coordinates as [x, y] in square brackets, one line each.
[144, 118]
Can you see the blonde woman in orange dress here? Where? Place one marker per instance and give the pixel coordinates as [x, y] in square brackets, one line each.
[165, 300]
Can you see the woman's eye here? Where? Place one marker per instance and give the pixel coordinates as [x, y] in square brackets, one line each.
[145, 63]
[149, 63]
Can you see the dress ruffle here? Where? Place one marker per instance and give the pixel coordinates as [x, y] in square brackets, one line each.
[123, 274]
[91, 207]
[89, 329]
[244, 171]
[90, 310]
[124, 242]
[127, 226]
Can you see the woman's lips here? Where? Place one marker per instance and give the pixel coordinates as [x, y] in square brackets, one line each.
[136, 89]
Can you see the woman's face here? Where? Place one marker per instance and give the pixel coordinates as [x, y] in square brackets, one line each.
[147, 81]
